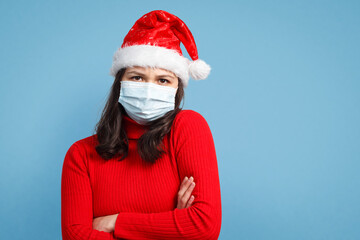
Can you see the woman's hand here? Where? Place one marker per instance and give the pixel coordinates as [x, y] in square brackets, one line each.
[185, 198]
[105, 223]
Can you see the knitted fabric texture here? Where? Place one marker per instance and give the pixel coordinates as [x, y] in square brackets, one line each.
[144, 194]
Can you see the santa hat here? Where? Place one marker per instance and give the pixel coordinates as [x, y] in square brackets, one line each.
[154, 41]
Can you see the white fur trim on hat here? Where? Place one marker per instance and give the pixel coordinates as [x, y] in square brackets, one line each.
[199, 69]
[151, 56]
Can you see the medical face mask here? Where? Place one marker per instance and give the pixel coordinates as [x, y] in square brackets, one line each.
[145, 101]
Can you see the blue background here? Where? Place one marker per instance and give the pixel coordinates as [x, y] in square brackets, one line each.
[282, 102]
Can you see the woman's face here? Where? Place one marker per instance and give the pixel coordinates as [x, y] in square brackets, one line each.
[154, 75]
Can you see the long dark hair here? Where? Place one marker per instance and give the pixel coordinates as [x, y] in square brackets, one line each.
[112, 138]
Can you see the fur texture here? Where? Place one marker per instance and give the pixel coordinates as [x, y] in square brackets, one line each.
[199, 69]
[151, 56]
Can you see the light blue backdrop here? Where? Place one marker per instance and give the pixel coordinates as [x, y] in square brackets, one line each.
[282, 101]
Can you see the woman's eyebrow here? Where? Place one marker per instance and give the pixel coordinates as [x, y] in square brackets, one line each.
[169, 76]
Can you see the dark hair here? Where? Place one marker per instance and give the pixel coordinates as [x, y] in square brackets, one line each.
[112, 138]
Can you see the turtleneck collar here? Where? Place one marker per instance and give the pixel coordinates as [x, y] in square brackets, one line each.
[133, 129]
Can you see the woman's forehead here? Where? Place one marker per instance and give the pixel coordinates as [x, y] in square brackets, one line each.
[145, 70]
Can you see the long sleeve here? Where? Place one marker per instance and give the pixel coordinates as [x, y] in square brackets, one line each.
[76, 199]
[195, 156]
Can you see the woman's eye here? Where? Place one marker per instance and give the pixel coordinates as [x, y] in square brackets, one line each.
[136, 77]
[163, 80]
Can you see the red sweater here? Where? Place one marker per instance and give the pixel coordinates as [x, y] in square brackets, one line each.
[144, 195]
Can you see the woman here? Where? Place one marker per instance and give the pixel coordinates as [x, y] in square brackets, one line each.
[135, 178]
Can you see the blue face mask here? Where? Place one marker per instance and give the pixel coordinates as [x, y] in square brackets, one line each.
[145, 101]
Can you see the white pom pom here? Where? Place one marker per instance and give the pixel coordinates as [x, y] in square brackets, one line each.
[199, 69]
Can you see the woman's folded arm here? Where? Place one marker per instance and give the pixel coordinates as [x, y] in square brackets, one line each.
[196, 156]
[76, 200]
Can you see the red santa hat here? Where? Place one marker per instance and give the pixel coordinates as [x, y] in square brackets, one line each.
[154, 41]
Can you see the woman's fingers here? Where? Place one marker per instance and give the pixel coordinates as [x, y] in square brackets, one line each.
[190, 201]
[185, 185]
[184, 181]
[184, 194]
[187, 194]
